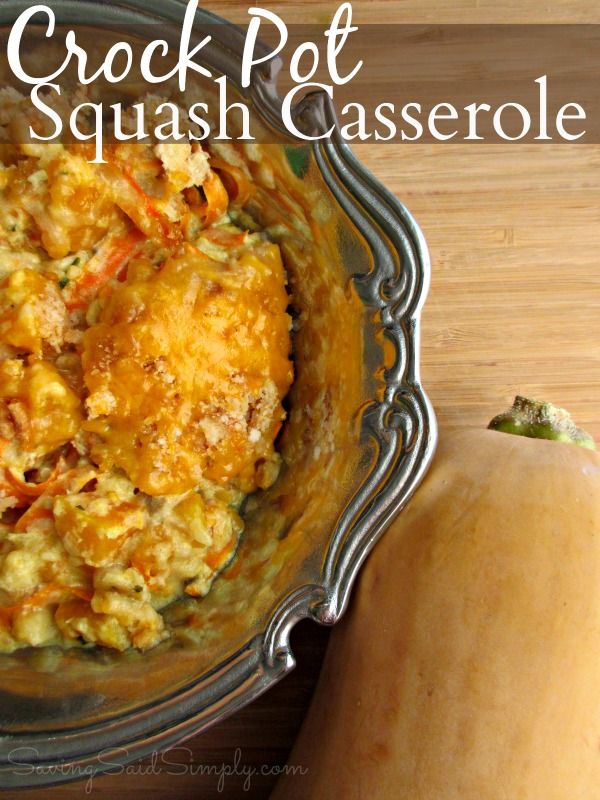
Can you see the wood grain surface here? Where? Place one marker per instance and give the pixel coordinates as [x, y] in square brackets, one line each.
[514, 306]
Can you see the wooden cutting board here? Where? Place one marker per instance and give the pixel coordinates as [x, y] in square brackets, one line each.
[514, 306]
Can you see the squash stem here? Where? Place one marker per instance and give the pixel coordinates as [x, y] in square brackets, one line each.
[539, 420]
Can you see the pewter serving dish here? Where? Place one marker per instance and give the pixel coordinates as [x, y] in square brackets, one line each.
[359, 437]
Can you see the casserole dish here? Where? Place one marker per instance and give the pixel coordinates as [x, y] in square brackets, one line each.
[359, 437]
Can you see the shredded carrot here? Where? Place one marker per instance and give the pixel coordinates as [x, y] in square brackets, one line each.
[235, 179]
[34, 513]
[34, 489]
[217, 199]
[8, 490]
[191, 248]
[50, 593]
[41, 597]
[111, 258]
[149, 204]
[139, 206]
[223, 237]
[71, 481]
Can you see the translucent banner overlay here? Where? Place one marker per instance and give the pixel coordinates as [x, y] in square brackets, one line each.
[387, 83]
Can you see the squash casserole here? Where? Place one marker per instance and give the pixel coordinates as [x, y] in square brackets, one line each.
[144, 357]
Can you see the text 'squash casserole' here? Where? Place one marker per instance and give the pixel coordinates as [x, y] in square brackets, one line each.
[144, 356]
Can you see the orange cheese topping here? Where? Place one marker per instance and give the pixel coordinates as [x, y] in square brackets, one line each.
[187, 369]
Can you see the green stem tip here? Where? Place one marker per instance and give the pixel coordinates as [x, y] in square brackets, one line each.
[539, 420]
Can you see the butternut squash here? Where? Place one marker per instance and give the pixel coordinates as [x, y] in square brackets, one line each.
[468, 666]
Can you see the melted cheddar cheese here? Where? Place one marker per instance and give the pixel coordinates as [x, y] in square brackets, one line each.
[186, 369]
